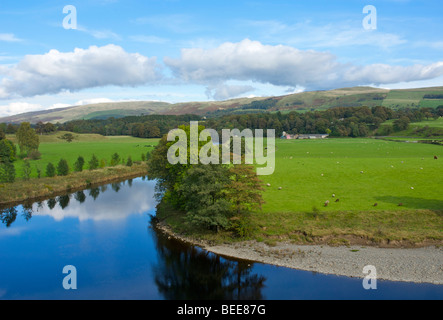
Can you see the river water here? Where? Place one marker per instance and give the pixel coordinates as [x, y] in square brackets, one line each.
[106, 238]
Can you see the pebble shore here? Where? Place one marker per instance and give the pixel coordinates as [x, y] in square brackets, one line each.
[419, 265]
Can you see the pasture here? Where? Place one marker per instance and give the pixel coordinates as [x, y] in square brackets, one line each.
[363, 174]
[52, 149]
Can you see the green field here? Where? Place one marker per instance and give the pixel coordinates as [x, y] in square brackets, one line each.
[52, 149]
[311, 171]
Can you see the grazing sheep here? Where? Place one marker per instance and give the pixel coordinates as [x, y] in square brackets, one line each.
[279, 188]
[337, 200]
[375, 204]
[326, 203]
[435, 157]
[333, 195]
[361, 171]
[400, 204]
[268, 184]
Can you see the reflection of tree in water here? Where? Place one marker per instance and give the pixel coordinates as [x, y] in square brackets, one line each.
[94, 192]
[63, 201]
[186, 273]
[80, 196]
[116, 186]
[8, 216]
[27, 211]
[51, 203]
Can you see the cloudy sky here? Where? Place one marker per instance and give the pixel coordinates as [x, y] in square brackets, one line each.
[192, 50]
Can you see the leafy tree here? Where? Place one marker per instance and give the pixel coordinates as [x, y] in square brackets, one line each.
[401, 123]
[50, 170]
[7, 151]
[7, 157]
[115, 159]
[204, 196]
[27, 138]
[129, 163]
[7, 172]
[245, 189]
[62, 168]
[67, 136]
[26, 170]
[78, 165]
[93, 163]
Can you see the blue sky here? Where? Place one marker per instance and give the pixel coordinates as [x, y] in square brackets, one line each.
[186, 50]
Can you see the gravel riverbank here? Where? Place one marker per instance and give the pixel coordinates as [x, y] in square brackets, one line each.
[421, 265]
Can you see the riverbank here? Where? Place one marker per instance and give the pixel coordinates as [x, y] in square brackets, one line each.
[420, 265]
[22, 191]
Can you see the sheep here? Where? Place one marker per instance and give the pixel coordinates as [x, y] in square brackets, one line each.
[435, 157]
[268, 184]
[279, 188]
[337, 200]
[400, 204]
[333, 195]
[326, 203]
[375, 204]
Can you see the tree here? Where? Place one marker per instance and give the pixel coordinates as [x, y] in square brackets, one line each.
[78, 165]
[7, 172]
[245, 188]
[26, 170]
[67, 136]
[27, 138]
[50, 170]
[115, 159]
[62, 167]
[93, 163]
[7, 157]
[402, 123]
[204, 196]
[129, 163]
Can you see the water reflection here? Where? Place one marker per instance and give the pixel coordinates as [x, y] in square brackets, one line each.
[185, 272]
[134, 197]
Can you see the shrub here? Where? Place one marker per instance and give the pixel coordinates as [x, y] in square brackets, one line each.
[34, 155]
[62, 168]
[50, 170]
[129, 163]
[115, 160]
[93, 163]
[78, 165]
[26, 170]
[7, 172]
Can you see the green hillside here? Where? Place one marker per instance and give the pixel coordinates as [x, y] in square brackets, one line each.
[304, 101]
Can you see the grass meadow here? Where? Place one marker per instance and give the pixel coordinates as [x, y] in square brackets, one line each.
[359, 172]
[52, 149]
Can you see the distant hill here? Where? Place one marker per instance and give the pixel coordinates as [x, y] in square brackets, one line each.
[304, 101]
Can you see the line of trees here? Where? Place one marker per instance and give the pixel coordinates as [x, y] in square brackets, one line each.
[338, 122]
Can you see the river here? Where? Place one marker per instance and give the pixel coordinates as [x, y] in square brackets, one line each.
[106, 237]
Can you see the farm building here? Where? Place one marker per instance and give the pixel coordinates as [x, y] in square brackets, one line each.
[288, 136]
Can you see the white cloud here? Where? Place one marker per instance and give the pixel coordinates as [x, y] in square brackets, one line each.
[99, 34]
[19, 107]
[287, 66]
[9, 37]
[56, 71]
[225, 91]
[149, 39]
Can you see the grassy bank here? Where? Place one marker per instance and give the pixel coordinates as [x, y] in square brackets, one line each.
[410, 228]
[35, 189]
[379, 192]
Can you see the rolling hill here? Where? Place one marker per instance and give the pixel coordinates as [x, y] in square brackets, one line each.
[304, 101]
